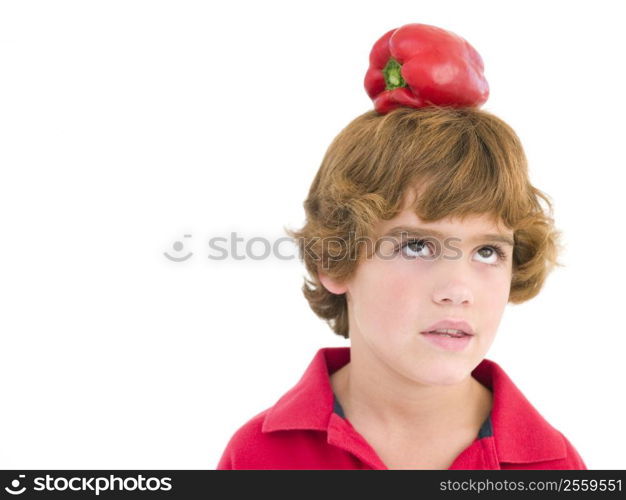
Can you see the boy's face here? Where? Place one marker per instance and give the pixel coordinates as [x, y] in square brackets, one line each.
[399, 292]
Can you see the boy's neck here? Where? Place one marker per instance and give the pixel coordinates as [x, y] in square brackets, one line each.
[374, 397]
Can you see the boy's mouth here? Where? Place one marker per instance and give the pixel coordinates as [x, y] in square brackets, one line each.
[450, 327]
[448, 332]
[449, 339]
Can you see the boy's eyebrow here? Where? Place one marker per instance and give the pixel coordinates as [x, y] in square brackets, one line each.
[423, 232]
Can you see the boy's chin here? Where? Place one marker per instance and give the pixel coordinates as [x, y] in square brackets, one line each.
[443, 372]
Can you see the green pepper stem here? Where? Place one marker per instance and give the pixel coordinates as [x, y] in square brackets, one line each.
[393, 75]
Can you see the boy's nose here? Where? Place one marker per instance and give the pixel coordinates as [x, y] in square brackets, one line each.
[453, 293]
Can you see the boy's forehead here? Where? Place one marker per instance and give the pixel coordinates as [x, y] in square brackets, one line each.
[470, 227]
[483, 226]
[451, 226]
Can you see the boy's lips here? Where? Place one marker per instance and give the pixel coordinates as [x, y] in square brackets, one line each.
[450, 323]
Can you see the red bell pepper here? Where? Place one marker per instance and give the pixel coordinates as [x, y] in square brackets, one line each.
[417, 65]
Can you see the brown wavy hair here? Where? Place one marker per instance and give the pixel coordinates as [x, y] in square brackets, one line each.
[464, 160]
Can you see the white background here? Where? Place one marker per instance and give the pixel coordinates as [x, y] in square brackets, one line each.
[126, 124]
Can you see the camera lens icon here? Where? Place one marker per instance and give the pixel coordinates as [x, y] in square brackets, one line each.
[178, 247]
[16, 484]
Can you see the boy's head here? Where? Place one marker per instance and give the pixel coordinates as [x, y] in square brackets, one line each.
[461, 172]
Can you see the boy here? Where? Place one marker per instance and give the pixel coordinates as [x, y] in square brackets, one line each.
[440, 228]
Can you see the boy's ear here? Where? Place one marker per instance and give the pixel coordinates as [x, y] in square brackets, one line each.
[331, 285]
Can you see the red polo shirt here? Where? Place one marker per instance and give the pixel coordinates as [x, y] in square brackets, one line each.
[306, 429]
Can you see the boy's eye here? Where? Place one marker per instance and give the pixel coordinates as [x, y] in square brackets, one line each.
[414, 248]
[493, 254]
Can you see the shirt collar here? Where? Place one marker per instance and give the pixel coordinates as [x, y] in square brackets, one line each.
[521, 434]
[309, 404]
